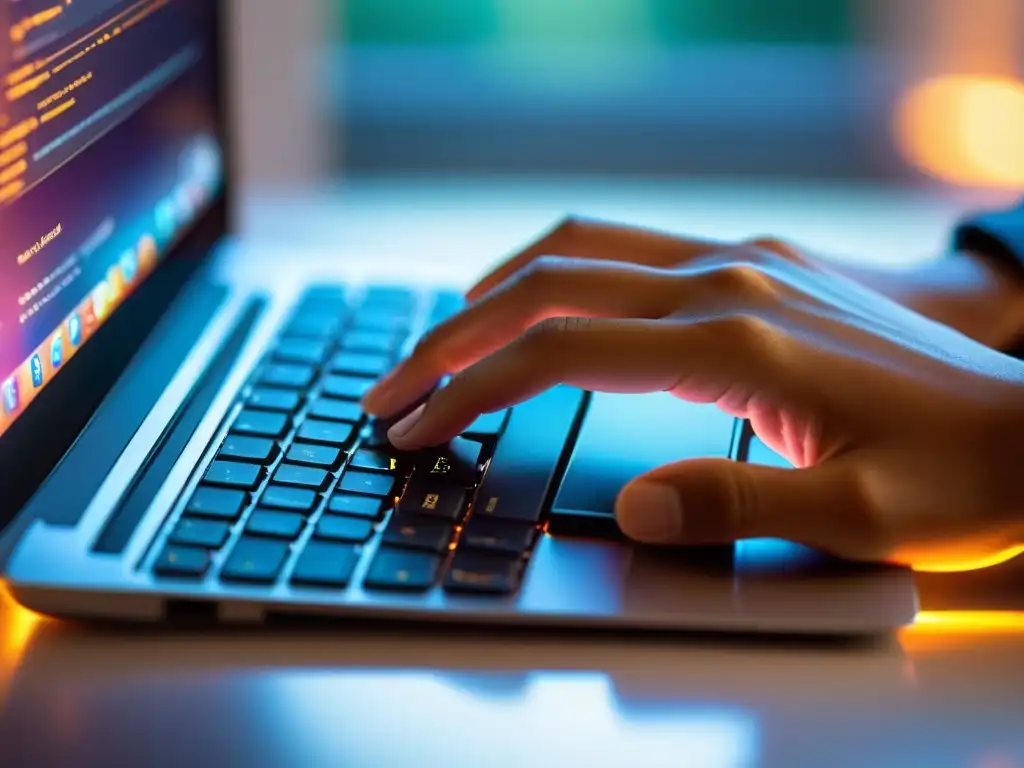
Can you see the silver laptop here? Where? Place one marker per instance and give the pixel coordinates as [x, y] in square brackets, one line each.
[177, 445]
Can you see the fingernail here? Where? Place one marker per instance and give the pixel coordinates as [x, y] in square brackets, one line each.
[401, 428]
[650, 512]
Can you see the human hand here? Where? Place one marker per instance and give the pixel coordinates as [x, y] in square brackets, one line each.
[899, 426]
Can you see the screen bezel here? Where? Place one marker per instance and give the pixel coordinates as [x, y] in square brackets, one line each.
[39, 438]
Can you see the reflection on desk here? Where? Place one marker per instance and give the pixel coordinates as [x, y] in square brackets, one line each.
[947, 693]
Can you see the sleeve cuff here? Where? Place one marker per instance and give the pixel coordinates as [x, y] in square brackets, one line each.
[999, 234]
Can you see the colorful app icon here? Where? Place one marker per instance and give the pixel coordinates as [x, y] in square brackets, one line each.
[10, 395]
[57, 351]
[36, 367]
[147, 254]
[201, 161]
[183, 204]
[101, 301]
[89, 321]
[115, 286]
[129, 266]
[75, 330]
[166, 219]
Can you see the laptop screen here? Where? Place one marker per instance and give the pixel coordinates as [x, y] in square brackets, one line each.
[108, 153]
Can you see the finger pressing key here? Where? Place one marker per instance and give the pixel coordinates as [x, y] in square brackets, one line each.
[623, 356]
[550, 287]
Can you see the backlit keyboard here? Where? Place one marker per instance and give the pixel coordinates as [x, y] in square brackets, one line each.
[304, 486]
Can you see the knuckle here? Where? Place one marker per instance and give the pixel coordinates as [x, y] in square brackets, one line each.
[768, 243]
[571, 227]
[744, 280]
[774, 245]
[542, 274]
[742, 505]
[550, 335]
[747, 332]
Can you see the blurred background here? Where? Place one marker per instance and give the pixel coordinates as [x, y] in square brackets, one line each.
[807, 88]
[921, 96]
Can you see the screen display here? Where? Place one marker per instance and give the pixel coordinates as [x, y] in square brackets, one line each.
[109, 151]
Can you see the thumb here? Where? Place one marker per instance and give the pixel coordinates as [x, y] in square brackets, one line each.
[715, 501]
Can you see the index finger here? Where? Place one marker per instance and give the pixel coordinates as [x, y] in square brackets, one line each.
[699, 360]
[601, 241]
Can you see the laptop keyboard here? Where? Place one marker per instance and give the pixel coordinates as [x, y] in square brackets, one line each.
[304, 482]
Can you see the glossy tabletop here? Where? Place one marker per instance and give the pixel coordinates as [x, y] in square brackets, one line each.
[948, 691]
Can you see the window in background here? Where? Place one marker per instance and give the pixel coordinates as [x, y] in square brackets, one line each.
[807, 88]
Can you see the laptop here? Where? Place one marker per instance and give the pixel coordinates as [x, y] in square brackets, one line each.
[177, 443]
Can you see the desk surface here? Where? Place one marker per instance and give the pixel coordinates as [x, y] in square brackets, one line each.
[946, 692]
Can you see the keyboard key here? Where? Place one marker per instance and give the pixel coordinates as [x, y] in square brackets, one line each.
[293, 499]
[187, 562]
[324, 564]
[346, 387]
[350, 529]
[390, 297]
[487, 426]
[368, 507]
[283, 400]
[304, 351]
[356, 364]
[196, 532]
[254, 449]
[233, 474]
[287, 376]
[375, 461]
[370, 483]
[333, 294]
[376, 435]
[433, 499]
[336, 410]
[260, 424]
[485, 572]
[305, 477]
[524, 462]
[217, 502]
[275, 525]
[373, 342]
[377, 320]
[255, 560]
[402, 570]
[499, 535]
[456, 463]
[314, 326]
[336, 433]
[325, 456]
[419, 533]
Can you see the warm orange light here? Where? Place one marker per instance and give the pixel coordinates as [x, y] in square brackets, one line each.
[16, 630]
[958, 564]
[18, 626]
[987, 622]
[965, 130]
[942, 630]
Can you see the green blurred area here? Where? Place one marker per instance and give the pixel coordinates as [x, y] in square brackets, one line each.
[650, 22]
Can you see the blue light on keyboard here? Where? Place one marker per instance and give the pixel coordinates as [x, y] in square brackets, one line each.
[772, 553]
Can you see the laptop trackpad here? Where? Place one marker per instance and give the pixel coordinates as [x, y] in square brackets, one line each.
[624, 436]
